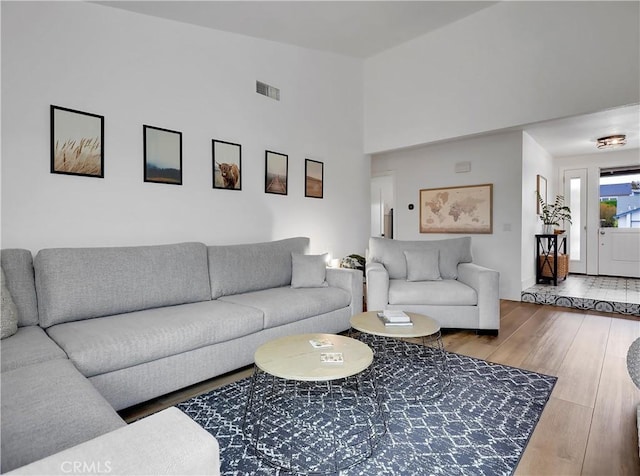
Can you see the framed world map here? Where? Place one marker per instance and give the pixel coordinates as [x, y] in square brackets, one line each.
[465, 209]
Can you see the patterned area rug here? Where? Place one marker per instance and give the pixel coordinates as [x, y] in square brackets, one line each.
[480, 425]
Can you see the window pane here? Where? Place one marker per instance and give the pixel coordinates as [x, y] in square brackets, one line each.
[620, 198]
[576, 228]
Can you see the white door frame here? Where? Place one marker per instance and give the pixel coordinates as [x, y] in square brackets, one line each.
[392, 177]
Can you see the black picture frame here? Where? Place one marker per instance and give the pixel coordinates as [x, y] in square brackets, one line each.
[77, 142]
[226, 159]
[162, 155]
[313, 178]
[276, 172]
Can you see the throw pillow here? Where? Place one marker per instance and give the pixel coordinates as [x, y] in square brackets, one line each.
[422, 265]
[8, 311]
[308, 271]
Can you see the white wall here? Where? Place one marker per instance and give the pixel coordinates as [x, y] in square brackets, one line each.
[510, 64]
[136, 70]
[592, 163]
[495, 159]
[535, 161]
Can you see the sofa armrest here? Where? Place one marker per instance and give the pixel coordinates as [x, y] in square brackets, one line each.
[377, 287]
[166, 443]
[351, 281]
[486, 283]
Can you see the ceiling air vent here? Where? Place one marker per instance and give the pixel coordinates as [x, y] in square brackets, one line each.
[266, 90]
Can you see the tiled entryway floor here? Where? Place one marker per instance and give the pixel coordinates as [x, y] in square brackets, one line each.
[601, 293]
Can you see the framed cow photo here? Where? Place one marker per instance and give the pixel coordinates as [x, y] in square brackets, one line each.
[227, 165]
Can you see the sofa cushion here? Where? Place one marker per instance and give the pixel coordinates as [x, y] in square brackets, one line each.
[447, 292]
[422, 265]
[8, 310]
[30, 345]
[48, 407]
[308, 271]
[284, 305]
[391, 254]
[18, 269]
[237, 269]
[97, 346]
[81, 283]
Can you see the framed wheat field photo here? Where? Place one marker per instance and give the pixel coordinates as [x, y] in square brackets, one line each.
[227, 165]
[77, 142]
[465, 209]
[276, 172]
[313, 178]
[162, 155]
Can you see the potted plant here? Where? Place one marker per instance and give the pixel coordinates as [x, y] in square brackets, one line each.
[553, 213]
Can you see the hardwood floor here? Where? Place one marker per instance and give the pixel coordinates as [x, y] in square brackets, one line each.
[589, 424]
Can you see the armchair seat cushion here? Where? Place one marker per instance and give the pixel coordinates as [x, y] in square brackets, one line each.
[447, 292]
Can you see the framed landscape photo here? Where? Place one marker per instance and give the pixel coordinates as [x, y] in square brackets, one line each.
[313, 178]
[162, 155]
[466, 209]
[227, 161]
[77, 142]
[276, 172]
[541, 188]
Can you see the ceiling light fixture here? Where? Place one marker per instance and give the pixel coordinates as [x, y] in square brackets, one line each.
[610, 142]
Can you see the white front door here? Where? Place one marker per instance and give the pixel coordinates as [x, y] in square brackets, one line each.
[575, 196]
[619, 252]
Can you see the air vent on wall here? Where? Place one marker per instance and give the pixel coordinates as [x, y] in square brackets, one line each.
[267, 90]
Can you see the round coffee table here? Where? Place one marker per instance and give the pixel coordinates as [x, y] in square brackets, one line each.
[430, 356]
[307, 415]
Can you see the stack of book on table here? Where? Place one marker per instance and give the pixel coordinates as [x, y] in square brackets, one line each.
[392, 317]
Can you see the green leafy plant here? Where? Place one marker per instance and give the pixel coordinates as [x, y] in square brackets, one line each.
[554, 213]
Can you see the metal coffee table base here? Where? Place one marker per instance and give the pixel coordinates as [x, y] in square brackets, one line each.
[314, 427]
[429, 359]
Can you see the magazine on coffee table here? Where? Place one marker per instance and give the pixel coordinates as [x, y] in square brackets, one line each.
[320, 343]
[331, 358]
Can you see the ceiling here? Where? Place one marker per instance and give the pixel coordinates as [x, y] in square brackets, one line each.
[577, 135]
[365, 28]
[352, 28]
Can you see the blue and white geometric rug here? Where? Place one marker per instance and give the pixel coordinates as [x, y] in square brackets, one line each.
[479, 426]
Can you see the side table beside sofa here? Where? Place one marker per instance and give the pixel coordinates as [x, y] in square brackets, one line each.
[102, 329]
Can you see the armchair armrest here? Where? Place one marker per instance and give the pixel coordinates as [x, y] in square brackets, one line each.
[377, 287]
[351, 281]
[486, 283]
[166, 443]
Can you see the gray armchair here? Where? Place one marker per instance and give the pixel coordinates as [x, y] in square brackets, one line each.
[435, 278]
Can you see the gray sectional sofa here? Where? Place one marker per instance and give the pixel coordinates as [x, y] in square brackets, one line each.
[102, 329]
[436, 278]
